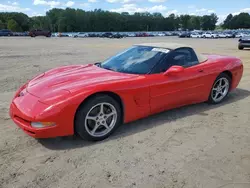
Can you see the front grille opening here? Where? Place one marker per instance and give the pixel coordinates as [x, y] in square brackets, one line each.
[21, 119]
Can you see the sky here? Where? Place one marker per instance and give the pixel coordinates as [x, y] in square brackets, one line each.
[193, 7]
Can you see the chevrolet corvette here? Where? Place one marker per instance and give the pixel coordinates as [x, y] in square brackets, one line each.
[93, 100]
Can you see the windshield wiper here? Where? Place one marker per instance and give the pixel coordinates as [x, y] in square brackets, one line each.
[107, 68]
[98, 64]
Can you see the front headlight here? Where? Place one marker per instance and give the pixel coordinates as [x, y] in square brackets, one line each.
[42, 124]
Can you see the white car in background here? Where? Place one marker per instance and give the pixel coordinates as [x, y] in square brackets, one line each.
[161, 34]
[80, 35]
[240, 35]
[196, 35]
[222, 35]
[209, 35]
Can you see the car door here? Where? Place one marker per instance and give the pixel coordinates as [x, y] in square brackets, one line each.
[172, 91]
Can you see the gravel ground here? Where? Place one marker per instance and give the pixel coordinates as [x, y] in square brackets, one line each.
[199, 146]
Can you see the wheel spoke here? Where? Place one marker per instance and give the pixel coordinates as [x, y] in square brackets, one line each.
[95, 128]
[216, 95]
[110, 114]
[220, 83]
[106, 125]
[224, 86]
[91, 118]
[101, 109]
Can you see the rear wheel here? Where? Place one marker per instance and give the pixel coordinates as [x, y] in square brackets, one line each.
[98, 118]
[220, 89]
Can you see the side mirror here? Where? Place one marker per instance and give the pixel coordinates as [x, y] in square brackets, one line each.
[174, 70]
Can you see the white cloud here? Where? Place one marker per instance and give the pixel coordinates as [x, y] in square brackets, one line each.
[92, 1]
[113, 1]
[132, 8]
[221, 18]
[69, 3]
[157, 1]
[171, 12]
[236, 13]
[12, 8]
[47, 3]
[15, 3]
[211, 11]
[242, 10]
[201, 10]
[127, 1]
[85, 5]
[130, 1]
[245, 10]
[35, 14]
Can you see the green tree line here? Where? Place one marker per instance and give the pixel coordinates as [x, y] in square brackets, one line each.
[241, 20]
[76, 20]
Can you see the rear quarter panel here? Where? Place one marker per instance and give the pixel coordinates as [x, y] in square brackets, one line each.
[216, 64]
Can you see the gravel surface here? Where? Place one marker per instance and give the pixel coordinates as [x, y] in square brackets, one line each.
[199, 146]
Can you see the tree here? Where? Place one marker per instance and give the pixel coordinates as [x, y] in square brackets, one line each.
[214, 19]
[13, 26]
[227, 22]
[195, 22]
[2, 25]
[208, 22]
[77, 20]
[184, 21]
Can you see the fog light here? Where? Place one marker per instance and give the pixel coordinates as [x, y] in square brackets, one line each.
[42, 124]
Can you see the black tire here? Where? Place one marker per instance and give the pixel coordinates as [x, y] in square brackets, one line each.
[222, 75]
[83, 110]
[240, 47]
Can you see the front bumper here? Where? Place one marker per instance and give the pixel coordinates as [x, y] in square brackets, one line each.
[27, 108]
[25, 125]
[244, 44]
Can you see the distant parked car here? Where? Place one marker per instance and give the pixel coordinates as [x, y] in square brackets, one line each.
[117, 36]
[107, 35]
[131, 34]
[80, 35]
[209, 35]
[5, 32]
[39, 32]
[185, 35]
[244, 42]
[196, 35]
[142, 34]
[222, 35]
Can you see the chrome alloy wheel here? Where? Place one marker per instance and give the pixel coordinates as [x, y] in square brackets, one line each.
[220, 89]
[100, 119]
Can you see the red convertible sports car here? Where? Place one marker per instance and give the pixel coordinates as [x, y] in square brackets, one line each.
[93, 100]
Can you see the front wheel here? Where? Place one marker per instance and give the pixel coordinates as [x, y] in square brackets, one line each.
[98, 118]
[220, 89]
[240, 47]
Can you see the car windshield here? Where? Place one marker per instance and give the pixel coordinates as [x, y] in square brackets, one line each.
[135, 60]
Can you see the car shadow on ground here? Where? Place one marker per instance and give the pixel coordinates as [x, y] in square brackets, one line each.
[71, 142]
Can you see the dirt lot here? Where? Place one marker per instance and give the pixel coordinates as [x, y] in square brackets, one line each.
[199, 146]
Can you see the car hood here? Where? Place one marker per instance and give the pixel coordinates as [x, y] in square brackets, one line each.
[68, 79]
